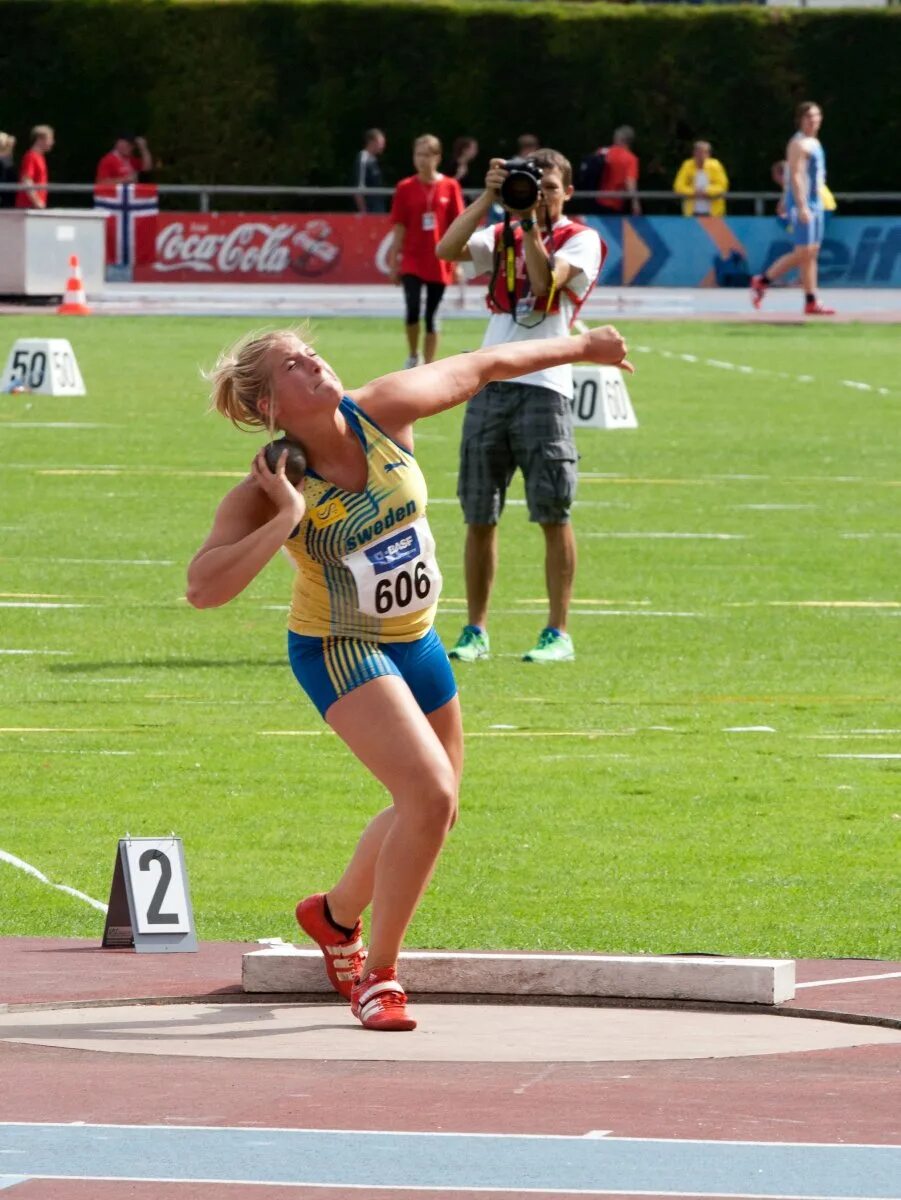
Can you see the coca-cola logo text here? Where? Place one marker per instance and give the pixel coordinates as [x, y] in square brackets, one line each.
[248, 248]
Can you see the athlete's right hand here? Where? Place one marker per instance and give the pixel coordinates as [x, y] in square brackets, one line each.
[607, 346]
[804, 215]
[283, 494]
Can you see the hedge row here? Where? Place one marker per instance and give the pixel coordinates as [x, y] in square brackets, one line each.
[278, 91]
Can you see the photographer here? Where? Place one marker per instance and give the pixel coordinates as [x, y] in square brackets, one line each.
[542, 267]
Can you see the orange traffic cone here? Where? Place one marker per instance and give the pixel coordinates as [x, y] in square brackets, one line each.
[74, 302]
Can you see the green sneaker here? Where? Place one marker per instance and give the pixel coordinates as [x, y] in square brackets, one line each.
[553, 646]
[471, 644]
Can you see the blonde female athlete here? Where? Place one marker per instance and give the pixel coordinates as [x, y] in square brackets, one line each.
[360, 636]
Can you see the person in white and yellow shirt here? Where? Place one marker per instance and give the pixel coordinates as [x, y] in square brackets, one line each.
[703, 181]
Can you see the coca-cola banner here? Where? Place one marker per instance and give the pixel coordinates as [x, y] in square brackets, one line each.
[269, 248]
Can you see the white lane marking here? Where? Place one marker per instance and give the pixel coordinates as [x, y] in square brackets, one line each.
[60, 887]
[575, 612]
[363, 1134]
[869, 535]
[749, 729]
[166, 472]
[58, 425]
[41, 604]
[716, 537]
[116, 562]
[848, 979]
[834, 603]
[36, 651]
[892, 756]
[774, 507]
[744, 369]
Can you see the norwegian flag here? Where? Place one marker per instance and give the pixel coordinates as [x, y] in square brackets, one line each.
[132, 210]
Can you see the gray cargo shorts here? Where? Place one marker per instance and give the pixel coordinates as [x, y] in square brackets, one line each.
[510, 425]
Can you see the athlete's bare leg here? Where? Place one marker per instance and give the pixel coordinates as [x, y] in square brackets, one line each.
[386, 729]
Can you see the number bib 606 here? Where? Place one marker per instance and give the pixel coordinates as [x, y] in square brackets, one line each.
[397, 574]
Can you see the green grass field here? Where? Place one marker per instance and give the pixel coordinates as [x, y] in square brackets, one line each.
[608, 804]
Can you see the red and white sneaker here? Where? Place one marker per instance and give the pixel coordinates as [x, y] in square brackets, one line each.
[379, 1002]
[813, 308]
[758, 290]
[344, 957]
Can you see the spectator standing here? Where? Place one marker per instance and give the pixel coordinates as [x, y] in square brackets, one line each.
[423, 207]
[8, 173]
[703, 181]
[527, 144]
[619, 173]
[805, 209]
[33, 169]
[458, 165]
[129, 156]
[524, 422]
[368, 173]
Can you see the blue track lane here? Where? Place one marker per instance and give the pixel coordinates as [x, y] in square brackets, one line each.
[455, 1161]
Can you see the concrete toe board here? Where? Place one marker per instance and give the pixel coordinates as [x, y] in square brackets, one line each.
[446, 1033]
[299, 970]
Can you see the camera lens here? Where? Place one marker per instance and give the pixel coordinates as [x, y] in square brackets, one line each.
[519, 191]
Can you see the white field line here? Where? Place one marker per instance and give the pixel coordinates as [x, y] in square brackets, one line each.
[576, 612]
[60, 887]
[744, 369]
[41, 604]
[877, 756]
[36, 651]
[114, 562]
[58, 425]
[849, 979]
[716, 537]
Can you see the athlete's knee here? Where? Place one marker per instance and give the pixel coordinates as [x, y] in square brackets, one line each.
[432, 802]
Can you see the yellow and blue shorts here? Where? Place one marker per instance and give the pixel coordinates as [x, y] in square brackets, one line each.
[330, 667]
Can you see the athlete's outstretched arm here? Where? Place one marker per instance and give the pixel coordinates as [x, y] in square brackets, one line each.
[396, 401]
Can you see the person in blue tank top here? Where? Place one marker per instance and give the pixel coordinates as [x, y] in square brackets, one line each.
[803, 204]
[361, 641]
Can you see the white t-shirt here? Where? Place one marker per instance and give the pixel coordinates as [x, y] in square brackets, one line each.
[702, 182]
[583, 251]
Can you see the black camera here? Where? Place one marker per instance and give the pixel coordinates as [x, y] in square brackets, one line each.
[520, 189]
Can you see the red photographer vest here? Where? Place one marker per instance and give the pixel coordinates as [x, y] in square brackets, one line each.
[498, 299]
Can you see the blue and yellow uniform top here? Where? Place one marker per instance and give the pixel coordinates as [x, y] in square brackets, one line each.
[366, 560]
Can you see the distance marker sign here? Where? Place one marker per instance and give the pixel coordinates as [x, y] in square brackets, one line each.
[150, 905]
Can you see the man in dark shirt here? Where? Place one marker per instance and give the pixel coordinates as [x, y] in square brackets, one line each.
[368, 173]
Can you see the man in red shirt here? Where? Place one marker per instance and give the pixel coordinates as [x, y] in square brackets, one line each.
[620, 173]
[128, 156]
[423, 207]
[33, 169]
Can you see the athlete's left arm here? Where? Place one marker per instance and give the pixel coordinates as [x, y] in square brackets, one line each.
[396, 401]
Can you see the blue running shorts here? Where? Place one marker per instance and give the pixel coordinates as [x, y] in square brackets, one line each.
[328, 668]
[810, 234]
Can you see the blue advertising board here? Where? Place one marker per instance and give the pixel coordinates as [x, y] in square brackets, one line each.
[682, 251]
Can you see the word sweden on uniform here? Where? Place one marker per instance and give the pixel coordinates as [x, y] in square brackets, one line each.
[368, 532]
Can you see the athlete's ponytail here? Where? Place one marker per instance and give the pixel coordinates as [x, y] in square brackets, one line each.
[242, 377]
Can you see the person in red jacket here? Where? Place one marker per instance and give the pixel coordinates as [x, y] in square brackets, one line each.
[33, 169]
[128, 157]
[423, 207]
[619, 173]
